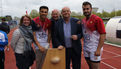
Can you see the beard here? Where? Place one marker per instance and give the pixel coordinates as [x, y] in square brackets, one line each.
[43, 16]
[87, 14]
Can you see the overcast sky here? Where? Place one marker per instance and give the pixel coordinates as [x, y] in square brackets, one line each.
[18, 7]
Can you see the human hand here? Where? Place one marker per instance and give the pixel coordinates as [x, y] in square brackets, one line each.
[42, 49]
[60, 47]
[74, 37]
[79, 22]
[97, 53]
[7, 48]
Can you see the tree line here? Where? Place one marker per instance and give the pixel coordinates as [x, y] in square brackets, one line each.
[104, 14]
[34, 13]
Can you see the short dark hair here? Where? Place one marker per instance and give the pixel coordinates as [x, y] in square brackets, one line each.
[43, 7]
[3, 19]
[87, 3]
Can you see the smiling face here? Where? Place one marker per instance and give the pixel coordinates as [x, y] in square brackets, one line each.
[55, 14]
[66, 12]
[87, 10]
[43, 13]
[26, 21]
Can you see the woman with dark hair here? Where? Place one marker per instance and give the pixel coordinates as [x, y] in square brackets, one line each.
[22, 40]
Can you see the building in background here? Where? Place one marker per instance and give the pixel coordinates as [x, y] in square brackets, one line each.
[94, 9]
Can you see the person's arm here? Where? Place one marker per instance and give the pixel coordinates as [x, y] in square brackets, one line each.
[101, 42]
[34, 26]
[49, 26]
[4, 39]
[101, 29]
[15, 38]
[7, 46]
[42, 49]
[49, 35]
[80, 32]
[8, 29]
[56, 38]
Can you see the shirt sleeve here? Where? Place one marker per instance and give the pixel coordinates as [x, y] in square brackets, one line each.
[15, 38]
[100, 26]
[4, 39]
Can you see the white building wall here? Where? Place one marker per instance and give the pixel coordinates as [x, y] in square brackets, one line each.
[111, 27]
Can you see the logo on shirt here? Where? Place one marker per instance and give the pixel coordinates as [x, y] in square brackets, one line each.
[2, 37]
[91, 22]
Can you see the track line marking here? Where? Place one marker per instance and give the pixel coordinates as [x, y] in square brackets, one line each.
[115, 45]
[111, 57]
[111, 52]
[108, 65]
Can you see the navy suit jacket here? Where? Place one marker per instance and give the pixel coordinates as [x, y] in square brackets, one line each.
[76, 29]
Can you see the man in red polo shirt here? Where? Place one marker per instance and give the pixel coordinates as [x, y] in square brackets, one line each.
[94, 36]
[41, 26]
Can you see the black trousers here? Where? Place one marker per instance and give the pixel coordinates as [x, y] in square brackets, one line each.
[71, 56]
[21, 61]
[2, 59]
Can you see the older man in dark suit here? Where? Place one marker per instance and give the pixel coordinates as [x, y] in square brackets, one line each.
[67, 35]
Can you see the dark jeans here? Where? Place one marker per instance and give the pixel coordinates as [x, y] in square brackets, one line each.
[21, 61]
[72, 56]
[2, 59]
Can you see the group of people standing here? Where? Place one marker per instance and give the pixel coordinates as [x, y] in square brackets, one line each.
[65, 32]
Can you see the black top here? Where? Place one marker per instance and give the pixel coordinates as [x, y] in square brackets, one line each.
[5, 27]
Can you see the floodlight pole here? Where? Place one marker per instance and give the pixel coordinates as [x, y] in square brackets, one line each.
[1, 9]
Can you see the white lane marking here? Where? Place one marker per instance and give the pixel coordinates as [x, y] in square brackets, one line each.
[111, 52]
[117, 55]
[111, 57]
[108, 65]
[113, 44]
